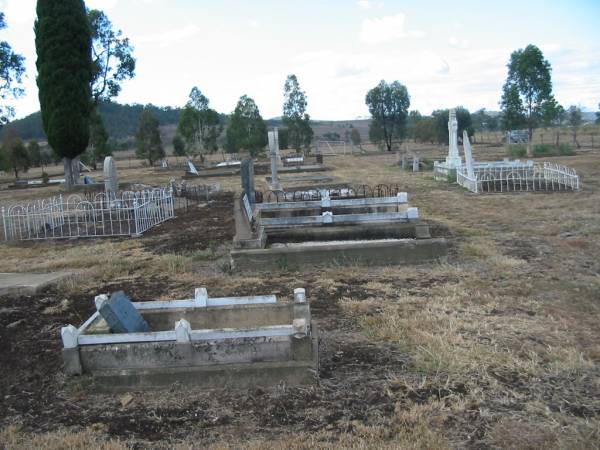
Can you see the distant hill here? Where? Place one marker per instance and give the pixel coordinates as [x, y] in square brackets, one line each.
[121, 121]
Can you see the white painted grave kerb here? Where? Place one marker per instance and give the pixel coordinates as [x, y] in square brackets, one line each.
[182, 332]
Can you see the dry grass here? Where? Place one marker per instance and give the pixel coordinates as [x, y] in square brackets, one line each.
[12, 438]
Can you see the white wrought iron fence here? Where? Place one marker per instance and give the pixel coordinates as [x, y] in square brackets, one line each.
[504, 177]
[120, 214]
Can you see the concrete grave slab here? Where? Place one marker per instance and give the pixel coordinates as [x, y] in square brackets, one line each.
[29, 283]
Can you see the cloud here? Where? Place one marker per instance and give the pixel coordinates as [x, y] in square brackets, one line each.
[254, 23]
[103, 5]
[368, 4]
[170, 37]
[459, 42]
[384, 29]
[350, 70]
[18, 11]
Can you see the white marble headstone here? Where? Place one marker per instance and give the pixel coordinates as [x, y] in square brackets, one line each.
[468, 154]
[111, 179]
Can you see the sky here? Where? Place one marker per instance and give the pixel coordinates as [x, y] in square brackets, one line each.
[447, 53]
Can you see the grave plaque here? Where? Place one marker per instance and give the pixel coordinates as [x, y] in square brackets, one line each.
[120, 314]
[248, 209]
[192, 168]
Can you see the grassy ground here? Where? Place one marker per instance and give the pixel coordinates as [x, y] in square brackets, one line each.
[497, 348]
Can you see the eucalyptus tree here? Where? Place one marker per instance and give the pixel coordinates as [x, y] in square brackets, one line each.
[12, 69]
[246, 129]
[388, 105]
[527, 87]
[295, 118]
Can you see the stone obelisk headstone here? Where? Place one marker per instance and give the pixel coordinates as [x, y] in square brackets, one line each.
[273, 150]
[453, 160]
[277, 149]
[111, 179]
[247, 173]
[468, 155]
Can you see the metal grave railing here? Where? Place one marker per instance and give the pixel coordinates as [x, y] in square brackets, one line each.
[503, 177]
[120, 214]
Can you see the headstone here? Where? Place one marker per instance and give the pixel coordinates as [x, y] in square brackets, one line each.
[274, 150]
[111, 178]
[453, 160]
[247, 173]
[192, 168]
[277, 150]
[468, 155]
[120, 314]
[165, 164]
[416, 163]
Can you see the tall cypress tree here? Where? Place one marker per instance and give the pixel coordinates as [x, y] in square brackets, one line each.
[63, 43]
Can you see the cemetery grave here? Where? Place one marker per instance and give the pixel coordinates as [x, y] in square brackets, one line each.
[501, 176]
[204, 341]
[108, 213]
[384, 230]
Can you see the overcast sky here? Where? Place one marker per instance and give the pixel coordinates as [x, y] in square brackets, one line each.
[447, 53]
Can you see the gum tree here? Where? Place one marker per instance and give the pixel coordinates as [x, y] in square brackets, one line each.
[388, 105]
[148, 141]
[12, 68]
[295, 118]
[246, 129]
[527, 87]
[199, 125]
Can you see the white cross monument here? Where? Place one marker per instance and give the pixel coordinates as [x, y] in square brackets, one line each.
[453, 160]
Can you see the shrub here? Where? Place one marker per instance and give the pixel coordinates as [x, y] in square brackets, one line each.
[565, 150]
[45, 178]
[427, 164]
[550, 150]
[517, 151]
[544, 150]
